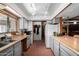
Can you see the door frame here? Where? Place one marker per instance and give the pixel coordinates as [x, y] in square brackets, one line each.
[33, 30]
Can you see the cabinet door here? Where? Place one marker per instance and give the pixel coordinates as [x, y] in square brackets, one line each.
[67, 50]
[56, 48]
[31, 38]
[6, 51]
[63, 53]
[51, 44]
[17, 49]
[28, 42]
[10, 53]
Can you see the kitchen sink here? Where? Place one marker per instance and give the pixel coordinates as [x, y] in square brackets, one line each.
[2, 43]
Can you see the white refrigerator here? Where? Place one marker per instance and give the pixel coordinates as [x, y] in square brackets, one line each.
[49, 29]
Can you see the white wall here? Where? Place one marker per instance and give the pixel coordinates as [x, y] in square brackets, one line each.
[21, 23]
[25, 24]
[29, 25]
[38, 37]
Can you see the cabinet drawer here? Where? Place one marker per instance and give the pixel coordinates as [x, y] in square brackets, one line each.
[71, 53]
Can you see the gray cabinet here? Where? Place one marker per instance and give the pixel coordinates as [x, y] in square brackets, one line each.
[31, 37]
[60, 50]
[64, 51]
[17, 49]
[56, 48]
[52, 43]
[10, 53]
[28, 41]
[7, 52]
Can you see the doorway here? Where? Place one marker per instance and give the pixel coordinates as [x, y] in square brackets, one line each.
[37, 28]
[41, 34]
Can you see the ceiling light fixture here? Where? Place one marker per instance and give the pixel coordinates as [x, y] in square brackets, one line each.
[33, 6]
[75, 22]
[46, 12]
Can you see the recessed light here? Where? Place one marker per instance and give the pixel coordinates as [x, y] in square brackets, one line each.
[75, 22]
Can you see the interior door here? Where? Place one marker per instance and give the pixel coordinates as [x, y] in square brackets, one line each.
[37, 30]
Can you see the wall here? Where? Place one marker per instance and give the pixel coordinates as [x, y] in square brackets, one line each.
[25, 24]
[38, 37]
[29, 25]
[21, 23]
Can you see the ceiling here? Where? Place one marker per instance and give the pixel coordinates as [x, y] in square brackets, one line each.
[37, 11]
[71, 11]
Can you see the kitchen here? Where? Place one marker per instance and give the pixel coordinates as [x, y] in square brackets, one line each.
[55, 32]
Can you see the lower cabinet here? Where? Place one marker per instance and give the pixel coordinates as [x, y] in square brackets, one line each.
[56, 48]
[17, 49]
[52, 43]
[10, 53]
[64, 51]
[61, 50]
[28, 42]
[7, 52]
